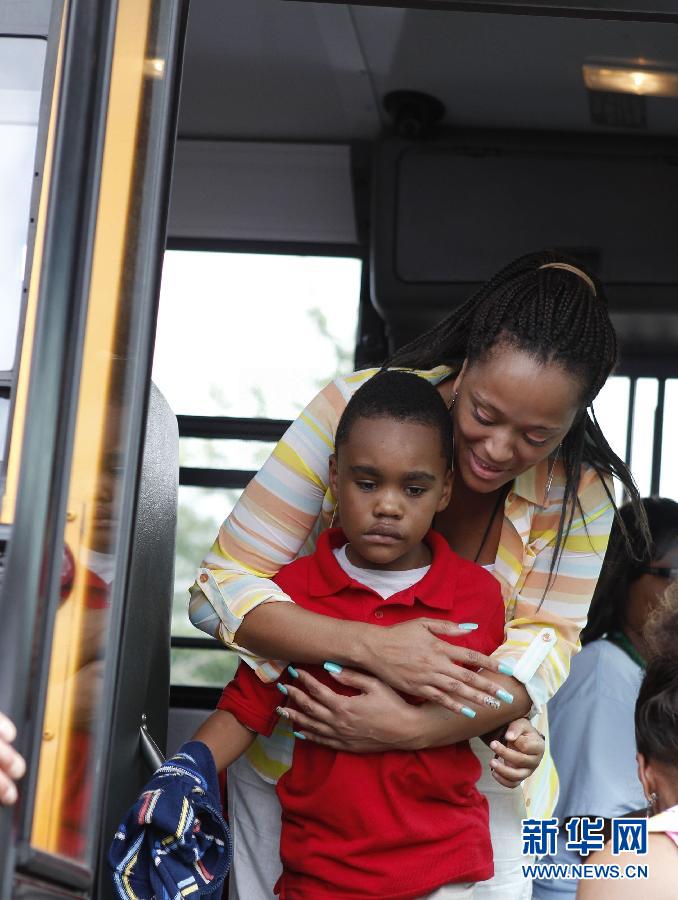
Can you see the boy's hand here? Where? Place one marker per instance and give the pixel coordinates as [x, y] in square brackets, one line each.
[519, 755]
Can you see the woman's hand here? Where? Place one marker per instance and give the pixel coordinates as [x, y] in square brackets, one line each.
[519, 756]
[412, 658]
[374, 720]
[12, 766]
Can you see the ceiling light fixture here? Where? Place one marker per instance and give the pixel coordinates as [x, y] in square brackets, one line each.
[641, 80]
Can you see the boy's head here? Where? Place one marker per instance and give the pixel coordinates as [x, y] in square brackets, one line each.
[391, 469]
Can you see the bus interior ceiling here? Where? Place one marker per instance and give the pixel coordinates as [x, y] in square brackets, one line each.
[287, 143]
[285, 140]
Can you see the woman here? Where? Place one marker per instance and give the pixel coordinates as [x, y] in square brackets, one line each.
[656, 725]
[518, 365]
[591, 717]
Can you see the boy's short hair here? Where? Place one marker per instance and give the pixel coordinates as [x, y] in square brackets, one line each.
[403, 396]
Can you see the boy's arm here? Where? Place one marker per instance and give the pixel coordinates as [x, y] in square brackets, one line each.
[225, 737]
[247, 707]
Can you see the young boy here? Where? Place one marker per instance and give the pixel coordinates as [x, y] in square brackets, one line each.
[397, 824]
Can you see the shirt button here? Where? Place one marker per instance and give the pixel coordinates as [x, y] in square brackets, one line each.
[203, 578]
[546, 637]
[379, 614]
[528, 801]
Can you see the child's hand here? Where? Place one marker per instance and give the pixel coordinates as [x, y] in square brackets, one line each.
[519, 756]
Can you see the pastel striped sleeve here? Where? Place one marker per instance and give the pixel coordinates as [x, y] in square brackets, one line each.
[276, 519]
[543, 632]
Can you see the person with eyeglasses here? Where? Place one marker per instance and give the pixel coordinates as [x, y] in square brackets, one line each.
[591, 717]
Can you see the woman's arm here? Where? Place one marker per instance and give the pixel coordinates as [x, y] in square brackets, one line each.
[410, 657]
[273, 519]
[378, 718]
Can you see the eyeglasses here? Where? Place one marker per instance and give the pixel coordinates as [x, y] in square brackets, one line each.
[661, 572]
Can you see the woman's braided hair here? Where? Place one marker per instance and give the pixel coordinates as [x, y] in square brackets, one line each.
[556, 316]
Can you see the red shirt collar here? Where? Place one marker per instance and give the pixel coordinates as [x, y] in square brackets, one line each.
[327, 577]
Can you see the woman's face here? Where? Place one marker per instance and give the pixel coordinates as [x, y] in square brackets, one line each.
[510, 413]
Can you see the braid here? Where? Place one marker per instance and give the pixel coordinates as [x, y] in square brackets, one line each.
[554, 315]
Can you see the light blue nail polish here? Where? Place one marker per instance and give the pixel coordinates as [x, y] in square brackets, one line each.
[332, 668]
[504, 695]
[468, 712]
[506, 668]
[281, 688]
[468, 626]
[298, 734]
[293, 672]
[282, 712]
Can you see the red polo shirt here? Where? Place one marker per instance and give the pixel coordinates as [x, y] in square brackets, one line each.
[398, 824]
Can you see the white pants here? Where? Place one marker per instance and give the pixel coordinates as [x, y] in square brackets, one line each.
[254, 819]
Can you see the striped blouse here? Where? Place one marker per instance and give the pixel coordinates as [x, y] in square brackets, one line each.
[289, 502]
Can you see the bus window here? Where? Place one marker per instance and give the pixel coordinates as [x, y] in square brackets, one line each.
[22, 62]
[230, 335]
[668, 485]
[643, 433]
[611, 408]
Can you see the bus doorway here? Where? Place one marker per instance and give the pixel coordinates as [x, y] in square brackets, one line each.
[342, 176]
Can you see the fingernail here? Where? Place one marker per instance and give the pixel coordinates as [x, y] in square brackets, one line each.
[10, 795]
[506, 668]
[468, 712]
[293, 672]
[281, 688]
[504, 695]
[282, 712]
[468, 626]
[298, 734]
[491, 702]
[332, 668]
[494, 745]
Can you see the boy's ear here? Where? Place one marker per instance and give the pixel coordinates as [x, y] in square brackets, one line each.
[446, 492]
[333, 474]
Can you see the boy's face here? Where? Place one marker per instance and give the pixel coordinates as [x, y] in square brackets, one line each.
[390, 478]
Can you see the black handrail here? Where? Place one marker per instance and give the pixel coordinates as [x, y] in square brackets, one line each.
[232, 428]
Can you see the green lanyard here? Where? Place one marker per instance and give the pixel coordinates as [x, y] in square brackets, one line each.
[620, 639]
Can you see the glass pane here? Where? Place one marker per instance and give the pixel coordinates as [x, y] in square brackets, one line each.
[611, 407]
[203, 668]
[223, 454]
[643, 433]
[201, 512]
[21, 67]
[260, 334]
[67, 809]
[668, 482]
[4, 415]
